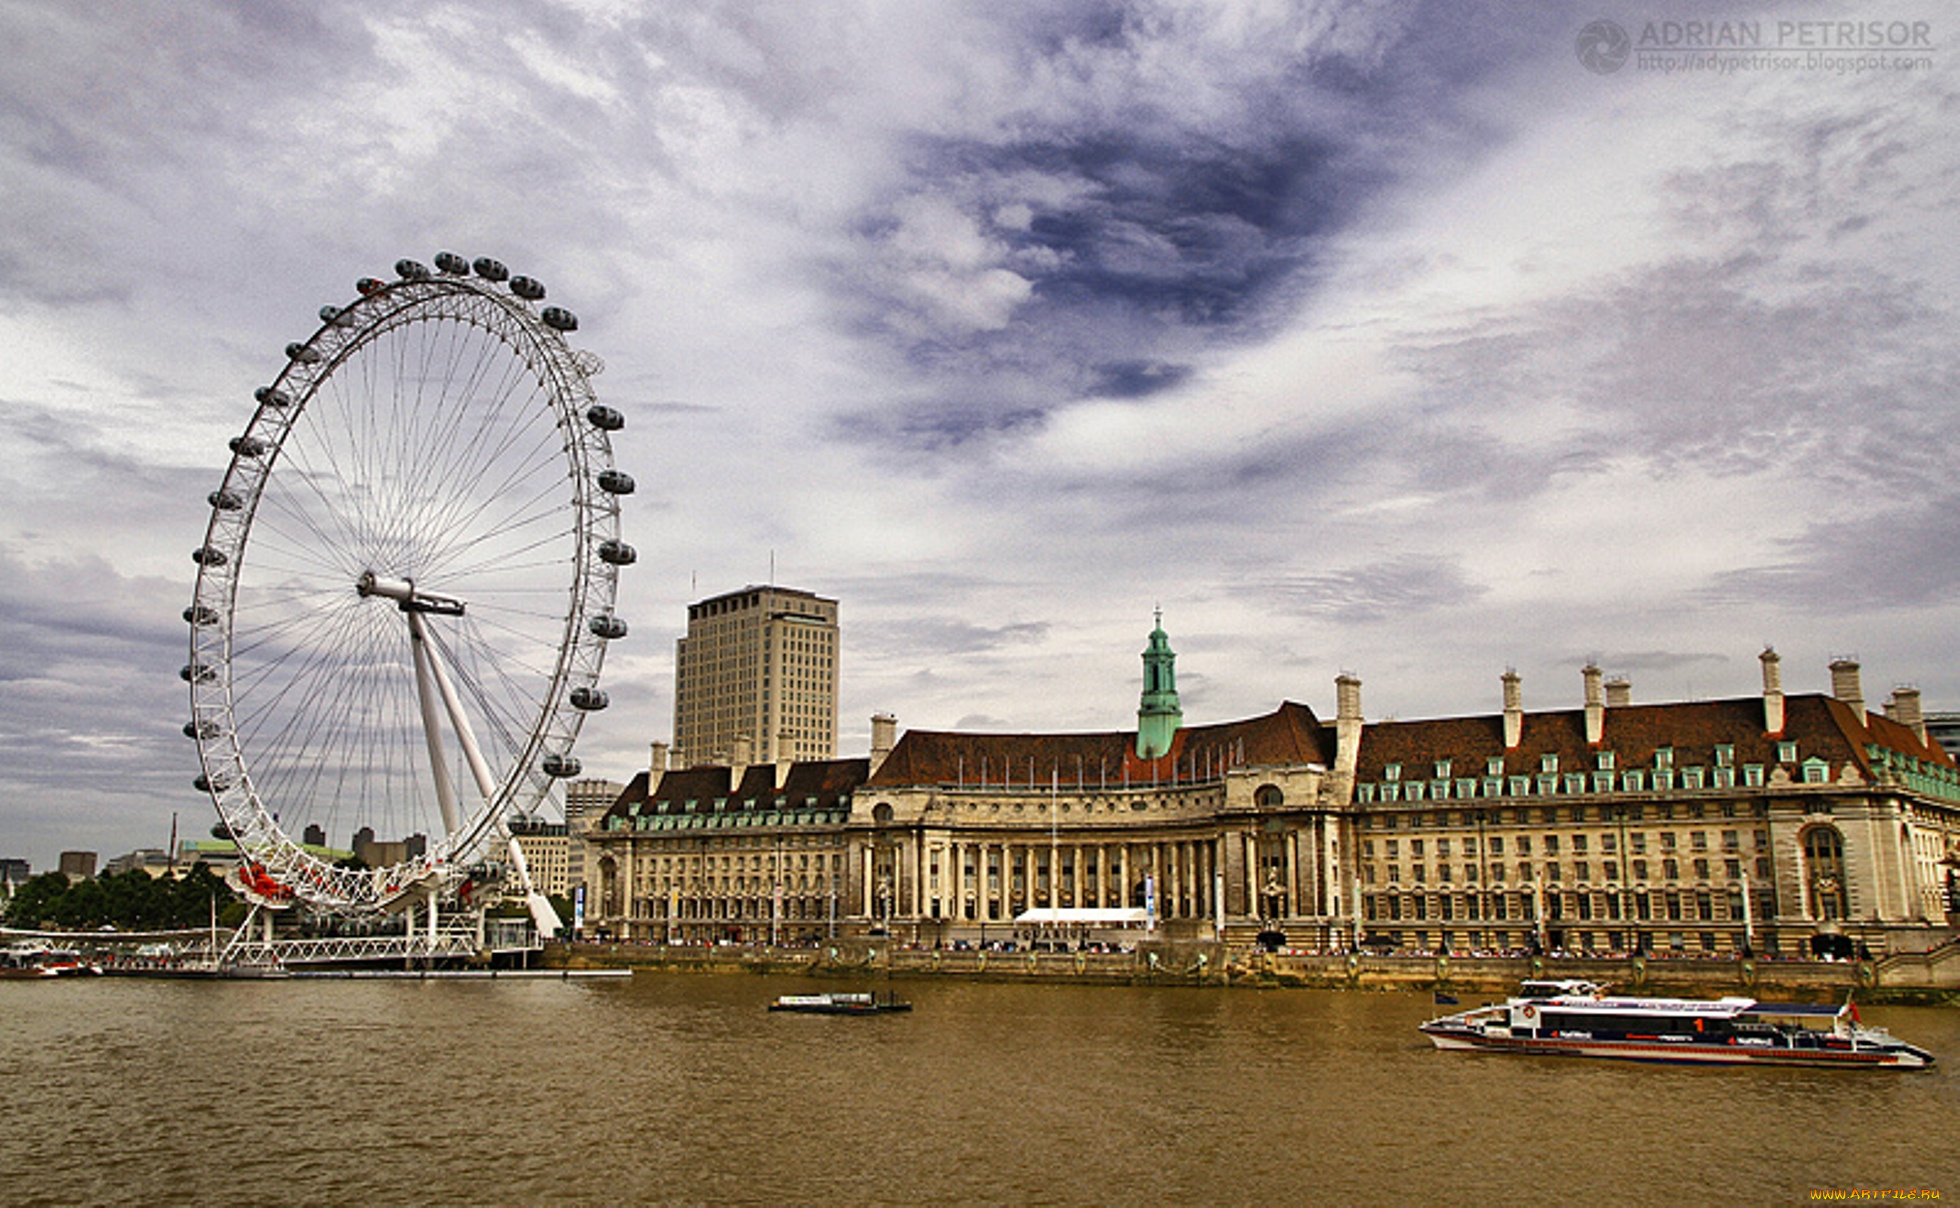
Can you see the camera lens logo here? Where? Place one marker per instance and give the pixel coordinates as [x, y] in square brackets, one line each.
[1604, 46]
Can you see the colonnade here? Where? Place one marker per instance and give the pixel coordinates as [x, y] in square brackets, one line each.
[909, 874]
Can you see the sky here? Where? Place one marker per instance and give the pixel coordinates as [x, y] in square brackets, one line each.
[1388, 338]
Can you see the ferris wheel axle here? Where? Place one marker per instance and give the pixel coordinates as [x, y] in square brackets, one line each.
[403, 592]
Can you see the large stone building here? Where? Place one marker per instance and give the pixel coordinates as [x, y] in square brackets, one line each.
[755, 677]
[1756, 823]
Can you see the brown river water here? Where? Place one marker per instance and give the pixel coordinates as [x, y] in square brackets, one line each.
[685, 1089]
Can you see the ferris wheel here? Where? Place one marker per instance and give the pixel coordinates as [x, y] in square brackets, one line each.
[405, 593]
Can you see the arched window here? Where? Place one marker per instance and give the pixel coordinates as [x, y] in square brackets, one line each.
[1269, 797]
[1823, 859]
[881, 813]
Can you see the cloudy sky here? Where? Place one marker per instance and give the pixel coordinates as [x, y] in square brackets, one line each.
[1367, 336]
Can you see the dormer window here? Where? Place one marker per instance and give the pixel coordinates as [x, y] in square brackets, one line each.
[1494, 766]
[1548, 763]
[1664, 757]
[1786, 752]
[1606, 761]
[1392, 772]
[1724, 755]
[1442, 769]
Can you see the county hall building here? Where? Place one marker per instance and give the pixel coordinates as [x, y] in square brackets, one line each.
[1753, 824]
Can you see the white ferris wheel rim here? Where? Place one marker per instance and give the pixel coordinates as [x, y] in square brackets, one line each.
[363, 460]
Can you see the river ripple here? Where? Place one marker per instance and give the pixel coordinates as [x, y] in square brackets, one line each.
[684, 1089]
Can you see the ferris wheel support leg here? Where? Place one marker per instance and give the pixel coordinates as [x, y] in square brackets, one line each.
[427, 676]
[542, 912]
[472, 753]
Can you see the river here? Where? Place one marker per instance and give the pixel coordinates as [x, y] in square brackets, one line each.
[684, 1089]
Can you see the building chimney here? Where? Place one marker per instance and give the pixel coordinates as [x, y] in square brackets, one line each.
[1772, 691]
[1347, 725]
[658, 762]
[1513, 709]
[744, 751]
[1847, 687]
[1619, 692]
[884, 736]
[1904, 709]
[1595, 705]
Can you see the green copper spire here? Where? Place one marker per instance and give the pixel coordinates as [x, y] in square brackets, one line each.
[1159, 716]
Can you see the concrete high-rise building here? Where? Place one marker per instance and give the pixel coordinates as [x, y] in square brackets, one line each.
[755, 679]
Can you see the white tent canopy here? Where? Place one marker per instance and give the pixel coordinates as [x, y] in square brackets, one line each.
[1084, 916]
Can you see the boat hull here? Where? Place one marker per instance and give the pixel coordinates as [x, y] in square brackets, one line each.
[1680, 1053]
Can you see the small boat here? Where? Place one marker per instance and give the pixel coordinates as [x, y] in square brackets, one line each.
[839, 1004]
[1575, 1018]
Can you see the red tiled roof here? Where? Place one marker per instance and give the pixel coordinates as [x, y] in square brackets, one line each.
[1820, 726]
[1288, 735]
[828, 780]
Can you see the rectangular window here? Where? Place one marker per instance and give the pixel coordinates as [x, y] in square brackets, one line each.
[1640, 870]
[1394, 849]
[1731, 840]
[1494, 766]
[1670, 869]
[1582, 871]
[1520, 786]
[1496, 871]
[1786, 752]
[1634, 781]
[1579, 844]
[1664, 781]
[1752, 775]
[1691, 778]
[1551, 845]
[1524, 845]
[1698, 840]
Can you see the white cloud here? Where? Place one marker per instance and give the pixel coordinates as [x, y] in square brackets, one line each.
[1005, 325]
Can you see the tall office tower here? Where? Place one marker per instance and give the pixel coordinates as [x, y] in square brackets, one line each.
[755, 679]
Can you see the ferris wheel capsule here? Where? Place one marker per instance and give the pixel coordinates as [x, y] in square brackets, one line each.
[527, 288]
[451, 263]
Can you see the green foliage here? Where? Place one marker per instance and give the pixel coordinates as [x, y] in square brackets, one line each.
[129, 901]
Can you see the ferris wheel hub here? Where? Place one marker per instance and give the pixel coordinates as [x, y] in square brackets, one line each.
[403, 592]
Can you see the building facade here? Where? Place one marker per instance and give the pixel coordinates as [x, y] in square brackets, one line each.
[1757, 824]
[755, 678]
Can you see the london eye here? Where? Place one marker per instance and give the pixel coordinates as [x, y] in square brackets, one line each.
[405, 593]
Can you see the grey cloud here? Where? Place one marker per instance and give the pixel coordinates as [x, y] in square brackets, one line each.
[1401, 587]
[1900, 557]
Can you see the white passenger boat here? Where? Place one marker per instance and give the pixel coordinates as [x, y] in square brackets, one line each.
[839, 1004]
[1581, 1019]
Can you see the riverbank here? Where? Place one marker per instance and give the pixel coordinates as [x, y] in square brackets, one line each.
[1931, 978]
